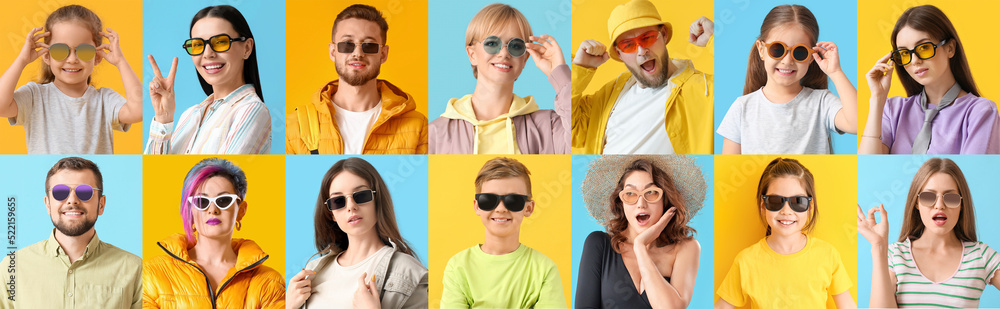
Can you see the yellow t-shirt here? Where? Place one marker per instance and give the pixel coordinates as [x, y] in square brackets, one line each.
[763, 278]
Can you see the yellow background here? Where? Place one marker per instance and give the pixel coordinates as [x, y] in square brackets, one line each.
[264, 222]
[309, 26]
[452, 187]
[973, 20]
[590, 21]
[737, 224]
[125, 17]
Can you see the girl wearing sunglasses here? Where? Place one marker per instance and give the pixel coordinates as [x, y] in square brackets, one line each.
[233, 119]
[493, 120]
[786, 107]
[798, 270]
[63, 99]
[942, 112]
[645, 204]
[206, 267]
[938, 235]
[364, 261]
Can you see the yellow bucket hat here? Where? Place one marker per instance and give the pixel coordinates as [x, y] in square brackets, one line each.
[632, 15]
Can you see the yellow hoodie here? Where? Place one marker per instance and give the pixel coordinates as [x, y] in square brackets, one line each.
[495, 135]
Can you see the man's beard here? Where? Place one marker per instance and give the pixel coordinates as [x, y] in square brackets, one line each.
[74, 230]
[360, 78]
[657, 81]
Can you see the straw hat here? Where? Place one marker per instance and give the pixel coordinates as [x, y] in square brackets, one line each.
[604, 173]
[632, 15]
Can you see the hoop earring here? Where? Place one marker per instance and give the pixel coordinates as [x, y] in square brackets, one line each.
[238, 225]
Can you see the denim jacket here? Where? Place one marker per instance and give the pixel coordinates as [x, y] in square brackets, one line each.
[401, 278]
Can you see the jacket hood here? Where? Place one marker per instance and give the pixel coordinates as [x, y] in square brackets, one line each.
[461, 109]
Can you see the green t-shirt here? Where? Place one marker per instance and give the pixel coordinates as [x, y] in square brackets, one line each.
[524, 278]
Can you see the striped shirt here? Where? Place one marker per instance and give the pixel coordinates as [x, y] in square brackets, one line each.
[237, 124]
[963, 289]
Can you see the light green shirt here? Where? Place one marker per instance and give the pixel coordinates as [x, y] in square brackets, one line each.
[524, 278]
[104, 277]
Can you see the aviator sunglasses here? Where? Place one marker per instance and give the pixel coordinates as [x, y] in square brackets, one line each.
[220, 43]
[515, 47]
[83, 192]
[776, 202]
[928, 199]
[359, 197]
[513, 202]
[924, 51]
[61, 51]
[223, 201]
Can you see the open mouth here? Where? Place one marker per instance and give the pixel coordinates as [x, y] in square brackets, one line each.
[940, 219]
[213, 67]
[785, 72]
[501, 220]
[649, 66]
[786, 223]
[642, 219]
[73, 213]
[71, 70]
[502, 67]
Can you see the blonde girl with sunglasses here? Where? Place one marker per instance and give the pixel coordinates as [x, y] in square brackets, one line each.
[937, 260]
[788, 268]
[62, 113]
[786, 107]
[942, 112]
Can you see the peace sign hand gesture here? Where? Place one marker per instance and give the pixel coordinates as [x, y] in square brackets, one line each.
[161, 92]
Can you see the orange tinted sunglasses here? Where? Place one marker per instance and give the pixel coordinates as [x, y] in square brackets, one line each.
[778, 50]
[645, 40]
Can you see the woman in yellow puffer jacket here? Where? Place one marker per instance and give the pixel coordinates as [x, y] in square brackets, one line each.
[205, 267]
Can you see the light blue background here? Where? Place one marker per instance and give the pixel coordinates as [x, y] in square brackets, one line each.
[121, 224]
[450, 71]
[886, 180]
[166, 24]
[405, 175]
[737, 26]
[703, 222]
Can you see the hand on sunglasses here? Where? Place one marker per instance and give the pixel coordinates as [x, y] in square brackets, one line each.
[591, 54]
[33, 48]
[647, 237]
[546, 53]
[876, 233]
[112, 51]
[161, 92]
[880, 79]
[827, 57]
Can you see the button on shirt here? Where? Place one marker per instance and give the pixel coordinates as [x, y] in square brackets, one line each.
[104, 277]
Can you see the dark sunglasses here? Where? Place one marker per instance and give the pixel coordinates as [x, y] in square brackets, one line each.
[84, 52]
[924, 51]
[359, 197]
[220, 43]
[513, 202]
[928, 199]
[83, 192]
[366, 47]
[223, 201]
[778, 50]
[515, 47]
[776, 202]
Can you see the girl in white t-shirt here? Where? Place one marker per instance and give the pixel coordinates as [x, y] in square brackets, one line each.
[785, 107]
[61, 112]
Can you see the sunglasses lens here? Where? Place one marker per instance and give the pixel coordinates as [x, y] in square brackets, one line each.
[647, 39]
[629, 196]
[627, 46]
[59, 51]
[200, 202]
[364, 196]
[220, 43]
[224, 202]
[952, 200]
[516, 47]
[345, 47]
[369, 48]
[336, 202]
[514, 202]
[901, 57]
[800, 53]
[487, 201]
[84, 192]
[927, 199]
[651, 195]
[773, 202]
[799, 203]
[776, 50]
[194, 47]
[86, 52]
[60, 192]
[492, 45]
[925, 50]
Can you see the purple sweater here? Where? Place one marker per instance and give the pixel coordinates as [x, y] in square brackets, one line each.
[969, 126]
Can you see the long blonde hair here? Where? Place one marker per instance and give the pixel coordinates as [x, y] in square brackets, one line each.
[77, 13]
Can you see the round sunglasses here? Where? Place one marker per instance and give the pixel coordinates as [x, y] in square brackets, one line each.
[777, 50]
[928, 199]
[515, 47]
[490, 201]
[359, 197]
[223, 201]
[924, 51]
[776, 202]
[220, 43]
[83, 192]
[61, 51]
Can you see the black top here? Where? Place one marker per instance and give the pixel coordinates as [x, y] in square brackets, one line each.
[604, 282]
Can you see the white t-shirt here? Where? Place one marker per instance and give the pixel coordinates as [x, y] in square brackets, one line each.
[354, 126]
[637, 122]
[801, 126]
[55, 123]
[334, 286]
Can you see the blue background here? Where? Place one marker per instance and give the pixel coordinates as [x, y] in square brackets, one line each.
[405, 175]
[703, 222]
[886, 180]
[737, 26]
[121, 224]
[166, 24]
[450, 71]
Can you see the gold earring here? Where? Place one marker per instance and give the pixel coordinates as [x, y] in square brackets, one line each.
[238, 225]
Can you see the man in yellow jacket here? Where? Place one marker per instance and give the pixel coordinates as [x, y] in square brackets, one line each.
[661, 106]
[358, 114]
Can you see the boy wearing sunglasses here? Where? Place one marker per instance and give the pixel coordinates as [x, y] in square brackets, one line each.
[661, 106]
[358, 114]
[65, 270]
[501, 272]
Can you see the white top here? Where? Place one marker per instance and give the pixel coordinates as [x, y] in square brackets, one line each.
[637, 124]
[334, 286]
[236, 124]
[354, 126]
[801, 126]
[962, 289]
[55, 123]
